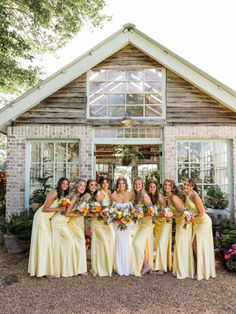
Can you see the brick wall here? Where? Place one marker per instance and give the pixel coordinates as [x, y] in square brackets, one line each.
[16, 156]
[174, 133]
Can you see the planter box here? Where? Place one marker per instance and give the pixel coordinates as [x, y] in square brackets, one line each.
[1, 238]
[218, 215]
[12, 244]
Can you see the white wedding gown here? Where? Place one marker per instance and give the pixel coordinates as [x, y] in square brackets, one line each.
[123, 250]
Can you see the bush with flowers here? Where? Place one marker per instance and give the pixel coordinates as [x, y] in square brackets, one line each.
[88, 239]
[230, 258]
[215, 198]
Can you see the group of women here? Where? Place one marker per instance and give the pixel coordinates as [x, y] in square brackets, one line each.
[58, 241]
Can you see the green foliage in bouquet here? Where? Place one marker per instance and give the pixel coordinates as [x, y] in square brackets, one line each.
[215, 198]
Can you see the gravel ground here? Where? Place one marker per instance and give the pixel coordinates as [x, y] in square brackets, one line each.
[149, 294]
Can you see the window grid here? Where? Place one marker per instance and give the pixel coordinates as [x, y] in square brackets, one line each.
[124, 104]
[124, 133]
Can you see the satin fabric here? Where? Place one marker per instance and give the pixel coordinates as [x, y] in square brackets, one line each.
[63, 247]
[183, 261]
[202, 230]
[102, 245]
[76, 225]
[40, 256]
[123, 247]
[142, 245]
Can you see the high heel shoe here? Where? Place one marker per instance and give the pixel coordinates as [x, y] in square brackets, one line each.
[146, 270]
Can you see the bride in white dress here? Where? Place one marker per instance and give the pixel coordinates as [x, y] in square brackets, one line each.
[123, 260]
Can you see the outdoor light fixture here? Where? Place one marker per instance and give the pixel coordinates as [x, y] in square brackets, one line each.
[126, 120]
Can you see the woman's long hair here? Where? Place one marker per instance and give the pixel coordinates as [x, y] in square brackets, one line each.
[193, 183]
[121, 179]
[138, 198]
[102, 179]
[174, 188]
[88, 190]
[60, 192]
[154, 198]
[76, 186]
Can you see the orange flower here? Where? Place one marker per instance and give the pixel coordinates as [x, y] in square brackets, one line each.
[86, 211]
[64, 203]
[149, 212]
[98, 208]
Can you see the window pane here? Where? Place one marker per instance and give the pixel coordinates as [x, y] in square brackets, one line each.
[183, 172]
[195, 150]
[134, 87]
[116, 111]
[98, 111]
[60, 171]
[35, 172]
[195, 174]
[48, 152]
[116, 99]
[152, 87]
[97, 99]
[153, 111]
[99, 75]
[135, 111]
[60, 152]
[116, 75]
[73, 173]
[48, 170]
[209, 175]
[135, 75]
[134, 99]
[182, 151]
[73, 152]
[116, 87]
[97, 87]
[152, 99]
[153, 74]
[36, 152]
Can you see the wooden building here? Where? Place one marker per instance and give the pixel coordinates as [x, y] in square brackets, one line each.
[183, 121]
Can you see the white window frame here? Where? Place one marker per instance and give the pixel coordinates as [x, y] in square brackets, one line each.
[163, 92]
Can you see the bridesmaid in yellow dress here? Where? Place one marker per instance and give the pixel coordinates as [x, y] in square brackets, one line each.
[183, 256]
[143, 233]
[40, 257]
[102, 236]
[202, 238]
[63, 245]
[163, 232]
[76, 225]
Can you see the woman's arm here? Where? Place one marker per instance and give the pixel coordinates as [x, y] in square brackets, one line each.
[52, 196]
[71, 207]
[178, 204]
[100, 197]
[199, 205]
[146, 200]
[162, 200]
[86, 197]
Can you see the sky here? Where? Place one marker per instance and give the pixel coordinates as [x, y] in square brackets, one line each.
[202, 32]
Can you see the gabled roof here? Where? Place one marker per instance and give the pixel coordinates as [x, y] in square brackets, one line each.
[129, 34]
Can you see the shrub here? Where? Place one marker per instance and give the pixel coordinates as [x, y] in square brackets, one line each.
[21, 225]
[215, 198]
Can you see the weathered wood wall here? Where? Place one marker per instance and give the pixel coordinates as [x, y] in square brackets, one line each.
[185, 103]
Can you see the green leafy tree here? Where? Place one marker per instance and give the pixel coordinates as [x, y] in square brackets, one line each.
[29, 28]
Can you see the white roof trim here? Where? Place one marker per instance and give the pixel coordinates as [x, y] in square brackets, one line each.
[102, 51]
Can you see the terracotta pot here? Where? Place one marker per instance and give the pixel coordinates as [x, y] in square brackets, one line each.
[12, 244]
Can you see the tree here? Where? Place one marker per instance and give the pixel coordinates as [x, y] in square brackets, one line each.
[29, 28]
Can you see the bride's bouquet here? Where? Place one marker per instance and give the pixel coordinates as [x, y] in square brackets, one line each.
[63, 202]
[82, 208]
[137, 214]
[166, 212]
[121, 216]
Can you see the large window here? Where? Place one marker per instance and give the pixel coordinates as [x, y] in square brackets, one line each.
[53, 158]
[208, 163]
[112, 93]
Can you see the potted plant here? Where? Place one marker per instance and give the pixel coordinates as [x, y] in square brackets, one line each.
[17, 238]
[216, 204]
[128, 153]
[39, 195]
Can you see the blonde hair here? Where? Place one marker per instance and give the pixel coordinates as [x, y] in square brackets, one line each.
[138, 198]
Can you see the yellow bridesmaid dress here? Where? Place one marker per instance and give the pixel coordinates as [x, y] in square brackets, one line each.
[76, 225]
[40, 256]
[183, 261]
[202, 230]
[163, 236]
[63, 247]
[142, 244]
[102, 245]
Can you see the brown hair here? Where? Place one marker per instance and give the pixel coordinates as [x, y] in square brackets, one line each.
[174, 188]
[121, 179]
[193, 183]
[154, 198]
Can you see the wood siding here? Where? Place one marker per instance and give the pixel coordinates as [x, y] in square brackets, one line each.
[185, 103]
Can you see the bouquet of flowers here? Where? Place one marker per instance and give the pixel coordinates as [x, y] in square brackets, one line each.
[151, 211]
[121, 216]
[166, 212]
[64, 202]
[137, 214]
[188, 217]
[95, 208]
[82, 208]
